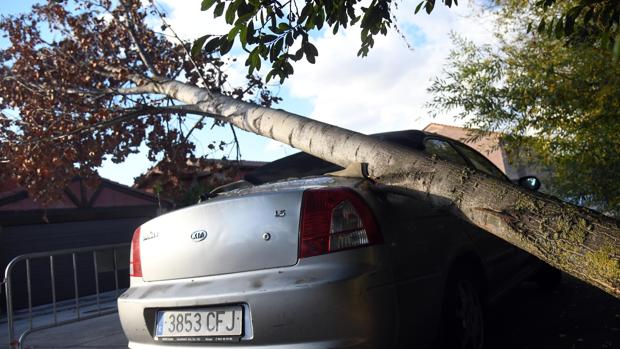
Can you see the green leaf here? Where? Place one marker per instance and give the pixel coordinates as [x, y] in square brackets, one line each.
[310, 49]
[245, 9]
[430, 5]
[588, 16]
[251, 38]
[289, 39]
[298, 55]
[319, 18]
[276, 30]
[248, 60]
[418, 8]
[213, 44]
[605, 41]
[263, 50]
[269, 76]
[559, 29]
[364, 34]
[255, 60]
[550, 27]
[243, 35]
[569, 25]
[197, 46]
[219, 9]
[541, 26]
[575, 11]
[233, 32]
[225, 46]
[231, 12]
[206, 4]
[288, 68]
[277, 48]
[351, 13]
[306, 12]
[617, 48]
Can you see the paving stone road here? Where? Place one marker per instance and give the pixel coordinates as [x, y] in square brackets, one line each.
[99, 333]
[576, 316]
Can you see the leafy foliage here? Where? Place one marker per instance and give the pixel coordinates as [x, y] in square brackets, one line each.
[279, 32]
[561, 101]
[71, 93]
[575, 20]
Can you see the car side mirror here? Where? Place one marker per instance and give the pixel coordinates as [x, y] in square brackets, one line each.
[530, 182]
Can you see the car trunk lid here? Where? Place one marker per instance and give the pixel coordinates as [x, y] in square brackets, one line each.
[222, 236]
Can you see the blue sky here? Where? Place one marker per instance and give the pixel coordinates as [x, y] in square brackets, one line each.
[383, 92]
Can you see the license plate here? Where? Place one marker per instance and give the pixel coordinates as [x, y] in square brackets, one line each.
[210, 324]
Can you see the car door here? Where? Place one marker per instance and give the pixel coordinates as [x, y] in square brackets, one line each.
[504, 261]
[426, 238]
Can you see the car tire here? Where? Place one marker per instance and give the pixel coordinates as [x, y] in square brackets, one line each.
[548, 278]
[462, 323]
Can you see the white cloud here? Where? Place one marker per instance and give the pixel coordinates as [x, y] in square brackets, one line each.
[189, 22]
[382, 92]
[386, 90]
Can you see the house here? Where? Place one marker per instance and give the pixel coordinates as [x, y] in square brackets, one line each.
[85, 215]
[184, 185]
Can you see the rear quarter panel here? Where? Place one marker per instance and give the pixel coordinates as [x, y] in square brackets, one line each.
[423, 242]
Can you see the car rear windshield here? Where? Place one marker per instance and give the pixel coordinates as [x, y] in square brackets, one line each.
[305, 165]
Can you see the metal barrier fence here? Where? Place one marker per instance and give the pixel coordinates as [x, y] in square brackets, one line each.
[51, 256]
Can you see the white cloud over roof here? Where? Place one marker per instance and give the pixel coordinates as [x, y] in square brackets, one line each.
[386, 90]
[382, 92]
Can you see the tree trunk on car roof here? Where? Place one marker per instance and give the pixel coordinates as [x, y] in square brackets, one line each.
[579, 241]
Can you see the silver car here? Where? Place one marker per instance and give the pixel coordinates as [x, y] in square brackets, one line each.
[293, 258]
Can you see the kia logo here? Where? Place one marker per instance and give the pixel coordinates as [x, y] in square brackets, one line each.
[199, 235]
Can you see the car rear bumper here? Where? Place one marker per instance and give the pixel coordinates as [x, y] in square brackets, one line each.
[339, 300]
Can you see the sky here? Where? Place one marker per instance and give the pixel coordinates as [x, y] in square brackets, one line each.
[385, 91]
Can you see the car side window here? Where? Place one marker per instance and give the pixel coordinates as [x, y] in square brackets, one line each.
[443, 150]
[480, 162]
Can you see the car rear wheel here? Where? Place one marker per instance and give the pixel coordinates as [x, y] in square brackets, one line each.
[463, 314]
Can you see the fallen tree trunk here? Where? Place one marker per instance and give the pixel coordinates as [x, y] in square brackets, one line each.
[579, 241]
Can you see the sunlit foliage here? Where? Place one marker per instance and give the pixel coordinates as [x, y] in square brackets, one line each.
[560, 100]
[70, 91]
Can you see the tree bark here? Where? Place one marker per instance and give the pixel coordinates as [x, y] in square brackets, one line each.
[581, 242]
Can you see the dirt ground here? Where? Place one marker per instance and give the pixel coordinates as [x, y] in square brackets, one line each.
[576, 315]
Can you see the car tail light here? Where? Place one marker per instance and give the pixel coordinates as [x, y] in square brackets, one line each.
[135, 263]
[334, 219]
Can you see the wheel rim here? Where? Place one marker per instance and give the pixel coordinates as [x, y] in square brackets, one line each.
[469, 316]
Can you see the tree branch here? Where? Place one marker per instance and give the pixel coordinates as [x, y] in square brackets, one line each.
[130, 115]
[232, 128]
[204, 81]
[176, 36]
[146, 59]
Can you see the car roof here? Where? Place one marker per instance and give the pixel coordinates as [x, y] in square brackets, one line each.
[303, 164]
